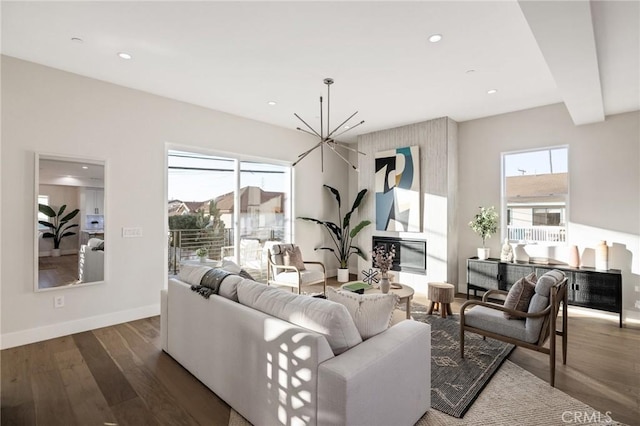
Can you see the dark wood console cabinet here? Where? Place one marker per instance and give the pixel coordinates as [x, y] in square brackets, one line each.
[588, 287]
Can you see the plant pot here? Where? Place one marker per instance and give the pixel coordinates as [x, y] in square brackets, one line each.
[55, 252]
[343, 275]
[483, 253]
[203, 259]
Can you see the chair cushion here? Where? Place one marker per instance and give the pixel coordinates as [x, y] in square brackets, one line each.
[322, 316]
[520, 295]
[371, 313]
[548, 280]
[294, 258]
[492, 320]
[308, 276]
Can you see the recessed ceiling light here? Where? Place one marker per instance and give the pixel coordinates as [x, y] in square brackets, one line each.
[85, 167]
[124, 55]
[272, 103]
[492, 91]
[434, 38]
[76, 39]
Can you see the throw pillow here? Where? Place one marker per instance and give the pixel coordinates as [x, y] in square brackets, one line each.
[294, 258]
[520, 295]
[372, 313]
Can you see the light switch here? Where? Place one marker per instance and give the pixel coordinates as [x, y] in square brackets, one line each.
[132, 232]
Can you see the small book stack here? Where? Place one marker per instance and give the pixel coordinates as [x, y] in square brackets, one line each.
[357, 287]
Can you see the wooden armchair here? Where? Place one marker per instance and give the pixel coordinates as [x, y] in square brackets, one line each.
[290, 275]
[533, 327]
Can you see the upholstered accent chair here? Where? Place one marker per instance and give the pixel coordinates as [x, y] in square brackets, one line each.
[531, 329]
[286, 268]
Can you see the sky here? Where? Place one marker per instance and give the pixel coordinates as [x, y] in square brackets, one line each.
[192, 184]
[536, 162]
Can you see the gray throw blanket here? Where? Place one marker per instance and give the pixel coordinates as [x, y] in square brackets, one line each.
[210, 282]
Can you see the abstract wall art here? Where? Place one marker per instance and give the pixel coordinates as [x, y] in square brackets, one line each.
[398, 190]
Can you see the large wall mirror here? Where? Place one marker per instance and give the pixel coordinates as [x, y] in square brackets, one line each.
[69, 222]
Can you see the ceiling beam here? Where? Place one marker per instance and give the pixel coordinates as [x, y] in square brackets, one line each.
[564, 33]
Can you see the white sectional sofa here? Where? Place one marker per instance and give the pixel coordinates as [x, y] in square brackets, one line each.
[313, 369]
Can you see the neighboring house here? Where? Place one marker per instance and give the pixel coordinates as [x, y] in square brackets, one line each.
[261, 212]
[177, 208]
[535, 201]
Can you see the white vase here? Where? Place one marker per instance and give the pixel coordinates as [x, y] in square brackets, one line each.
[55, 252]
[574, 256]
[203, 259]
[385, 285]
[483, 253]
[602, 256]
[520, 254]
[343, 275]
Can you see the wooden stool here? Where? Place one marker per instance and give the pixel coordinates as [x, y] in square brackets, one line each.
[441, 296]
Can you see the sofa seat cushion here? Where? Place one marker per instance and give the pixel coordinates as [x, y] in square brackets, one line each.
[371, 313]
[493, 320]
[307, 276]
[322, 316]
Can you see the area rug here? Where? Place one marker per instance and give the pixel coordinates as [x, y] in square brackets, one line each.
[456, 382]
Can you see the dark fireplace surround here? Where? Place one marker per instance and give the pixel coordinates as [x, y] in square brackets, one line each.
[411, 255]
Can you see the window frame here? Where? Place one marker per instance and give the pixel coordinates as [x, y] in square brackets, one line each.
[504, 231]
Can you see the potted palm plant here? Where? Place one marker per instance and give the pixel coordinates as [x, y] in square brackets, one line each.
[58, 225]
[485, 224]
[342, 233]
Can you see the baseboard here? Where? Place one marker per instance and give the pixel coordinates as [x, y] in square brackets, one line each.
[24, 337]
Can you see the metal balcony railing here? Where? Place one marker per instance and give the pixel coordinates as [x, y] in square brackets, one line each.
[539, 234]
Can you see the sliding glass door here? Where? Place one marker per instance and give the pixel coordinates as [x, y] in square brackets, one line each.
[223, 208]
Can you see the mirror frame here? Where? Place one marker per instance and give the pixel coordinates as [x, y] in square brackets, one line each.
[70, 158]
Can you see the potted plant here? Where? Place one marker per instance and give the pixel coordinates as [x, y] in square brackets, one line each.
[202, 253]
[485, 224]
[58, 225]
[343, 234]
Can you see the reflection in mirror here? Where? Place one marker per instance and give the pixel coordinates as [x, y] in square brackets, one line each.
[69, 227]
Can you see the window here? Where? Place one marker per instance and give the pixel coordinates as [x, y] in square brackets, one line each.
[236, 209]
[535, 195]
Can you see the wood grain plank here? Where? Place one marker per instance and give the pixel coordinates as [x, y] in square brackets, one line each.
[17, 403]
[51, 403]
[195, 397]
[155, 395]
[88, 403]
[112, 383]
[134, 413]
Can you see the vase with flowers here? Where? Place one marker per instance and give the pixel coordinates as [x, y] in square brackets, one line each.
[383, 260]
[202, 253]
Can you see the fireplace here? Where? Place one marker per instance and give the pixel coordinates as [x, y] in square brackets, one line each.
[411, 255]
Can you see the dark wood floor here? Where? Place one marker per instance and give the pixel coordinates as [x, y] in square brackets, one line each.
[57, 271]
[119, 375]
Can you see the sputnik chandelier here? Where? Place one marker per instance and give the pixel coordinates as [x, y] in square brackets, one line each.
[328, 138]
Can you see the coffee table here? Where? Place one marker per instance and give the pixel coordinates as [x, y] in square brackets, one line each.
[405, 294]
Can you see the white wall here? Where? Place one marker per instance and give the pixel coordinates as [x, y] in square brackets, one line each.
[56, 112]
[438, 185]
[604, 182]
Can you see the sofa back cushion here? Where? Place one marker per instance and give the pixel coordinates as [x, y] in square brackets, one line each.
[192, 274]
[371, 313]
[322, 316]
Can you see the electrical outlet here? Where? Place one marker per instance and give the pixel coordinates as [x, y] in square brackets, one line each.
[58, 302]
